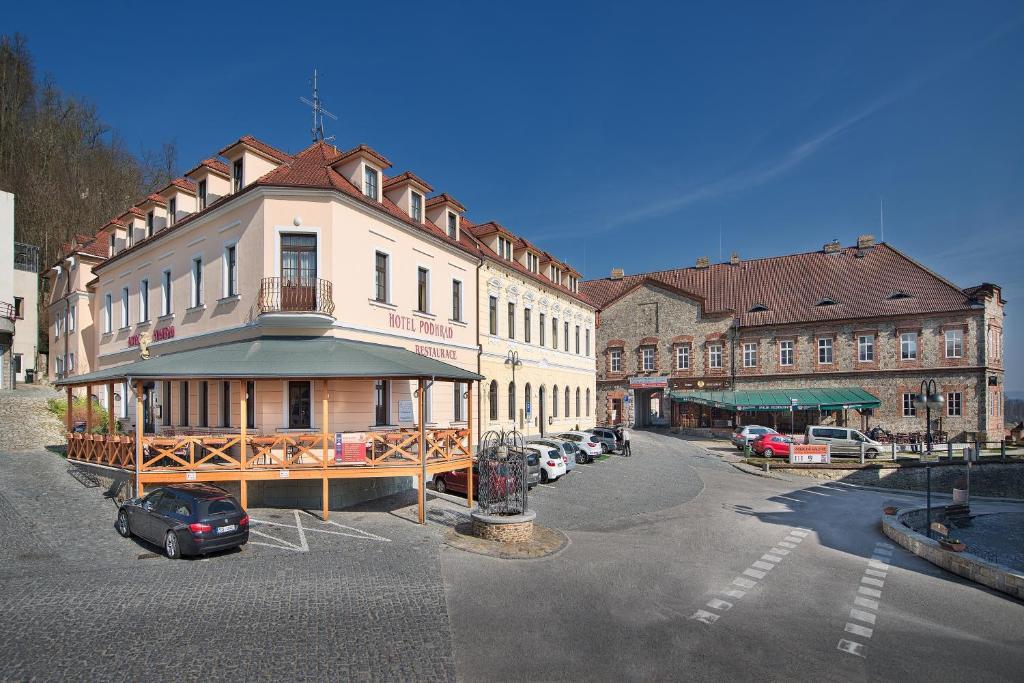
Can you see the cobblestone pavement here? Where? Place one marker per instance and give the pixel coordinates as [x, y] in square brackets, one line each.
[25, 423]
[356, 598]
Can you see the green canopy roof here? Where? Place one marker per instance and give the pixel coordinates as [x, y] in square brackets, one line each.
[280, 357]
[781, 399]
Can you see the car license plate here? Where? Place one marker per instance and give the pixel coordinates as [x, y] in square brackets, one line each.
[226, 529]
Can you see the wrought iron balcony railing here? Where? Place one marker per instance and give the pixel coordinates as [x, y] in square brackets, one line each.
[296, 295]
[7, 311]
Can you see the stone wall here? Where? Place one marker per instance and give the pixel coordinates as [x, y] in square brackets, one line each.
[995, 479]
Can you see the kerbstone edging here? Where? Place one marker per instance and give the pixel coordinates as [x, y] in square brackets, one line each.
[996, 576]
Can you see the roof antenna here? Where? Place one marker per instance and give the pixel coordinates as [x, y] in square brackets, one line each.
[881, 217]
[719, 240]
[319, 112]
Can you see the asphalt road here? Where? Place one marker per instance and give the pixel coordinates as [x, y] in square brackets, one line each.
[680, 566]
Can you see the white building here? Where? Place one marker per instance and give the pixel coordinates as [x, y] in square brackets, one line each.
[19, 286]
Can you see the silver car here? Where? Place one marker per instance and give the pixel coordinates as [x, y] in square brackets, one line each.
[605, 437]
[569, 450]
[742, 436]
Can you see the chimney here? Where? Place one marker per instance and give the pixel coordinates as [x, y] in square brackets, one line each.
[703, 262]
[832, 247]
[734, 259]
[865, 241]
[617, 273]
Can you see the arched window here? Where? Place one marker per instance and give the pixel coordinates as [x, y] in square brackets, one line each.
[554, 401]
[588, 402]
[567, 413]
[511, 401]
[527, 407]
[577, 401]
[492, 397]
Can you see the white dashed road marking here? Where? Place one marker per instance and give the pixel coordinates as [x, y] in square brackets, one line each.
[866, 602]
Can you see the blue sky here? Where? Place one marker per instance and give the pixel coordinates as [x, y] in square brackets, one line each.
[628, 134]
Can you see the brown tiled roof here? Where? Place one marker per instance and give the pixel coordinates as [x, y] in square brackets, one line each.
[408, 176]
[444, 197]
[133, 211]
[212, 164]
[181, 184]
[259, 146]
[792, 287]
[365, 149]
[155, 198]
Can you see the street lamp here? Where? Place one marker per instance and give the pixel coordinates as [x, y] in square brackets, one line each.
[513, 360]
[928, 398]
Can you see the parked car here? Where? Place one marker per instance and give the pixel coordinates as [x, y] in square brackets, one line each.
[586, 442]
[186, 519]
[741, 436]
[769, 445]
[606, 437]
[552, 466]
[843, 440]
[458, 482]
[570, 452]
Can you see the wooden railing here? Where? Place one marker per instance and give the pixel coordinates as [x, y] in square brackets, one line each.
[282, 451]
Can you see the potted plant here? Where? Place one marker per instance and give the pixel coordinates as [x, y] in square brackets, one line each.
[890, 509]
[952, 544]
[960, 491]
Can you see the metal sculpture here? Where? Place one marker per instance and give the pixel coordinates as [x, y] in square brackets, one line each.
[501, 473]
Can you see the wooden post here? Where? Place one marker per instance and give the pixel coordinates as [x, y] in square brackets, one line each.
[70, 413]
[111, 420]
[326, 496]
[324, 427]
[421, 390]
[469, 442]
[243, 406]
[88, 409]
[138, 433]
[469, 486]
[243, 490]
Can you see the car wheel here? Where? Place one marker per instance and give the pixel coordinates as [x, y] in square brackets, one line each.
[768, 453]
[171, 546]
[123, 527]
[544, 476]
[439, 485]
[872, 454]
[604, 448]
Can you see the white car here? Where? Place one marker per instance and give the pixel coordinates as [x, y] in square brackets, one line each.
[585, 441]
[567, 448]
[552, 466]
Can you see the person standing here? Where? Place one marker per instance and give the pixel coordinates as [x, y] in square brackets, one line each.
[626, 448]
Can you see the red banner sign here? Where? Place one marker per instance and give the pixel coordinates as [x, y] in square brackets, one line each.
[159, 334]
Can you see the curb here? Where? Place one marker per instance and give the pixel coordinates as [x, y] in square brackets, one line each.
[995, 576]
[750, 469]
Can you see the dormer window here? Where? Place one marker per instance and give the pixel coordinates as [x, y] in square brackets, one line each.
[172, 211]
[453, 225]
[573, 283]
[370, 182]
[236, 176]
[149, 224]
[532, 262]
[556, 275]
[827, 301]
[113, 238]
[201, 192]
[899, 294]
[416, 207]
[760, 308]
[504, 248]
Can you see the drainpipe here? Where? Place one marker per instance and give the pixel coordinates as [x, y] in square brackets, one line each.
[734, 330]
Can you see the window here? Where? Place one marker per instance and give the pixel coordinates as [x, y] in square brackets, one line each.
[202, 194]
[648, 358]
[381, 277]
[786, 352]
[422, 290]
[113, 241]
[554, 401]
[588, 402]
[167, 404]
[866, 348]
[144, 301]
[453, 225]
[527, 326]
[683, 357]
[750, 355]
[225, 404]
[300, 403]
[236, 176]
[416, 206]
[715, 356]
[492, 400]
[577, 401]
[59, 364]
[57, 326]
[577, 339]
[554, 333]
[459, 406]
[108, 313]
[250, 405]
[954, 404]
[456, 301]
[125, 320]
[16, 363]
[72, 312]
[172, 210]
[183, 404]
[954, 343]
[908, 406]
[197, 282]
[532, 262]
[565, 335]
[204, 404]
[615, 360]
[908, 346]
[231, 270]
[511, 320]
[381, 402]
[567, 402]
[149, 224]
[541, 329]
[511, 401]
[586, 348]
[825, 351]
[492, 313]
[504, 248]
[370, 183]
[165, 291]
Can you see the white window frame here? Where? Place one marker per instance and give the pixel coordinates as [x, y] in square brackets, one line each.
[826, 349]
[908, 405]
[387, 276]
[452, 225]
[954, 399]
[143, 300]
[427, 310]
[172, 210]
[615, 360]
[647, 358]
[683, 357]
[166, 293]
[908, 346]
[750, 354]
[715, 356]
[866, 348]
[108, 313]
[125, 310]
[462, 303]
[225, 275]
[197, 298]
[71, 318]
[413, 213]
[367, 170]
[956, 338]
[787, 353]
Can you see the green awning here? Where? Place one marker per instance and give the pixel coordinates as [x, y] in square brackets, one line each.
[283, 357]
[781, 399]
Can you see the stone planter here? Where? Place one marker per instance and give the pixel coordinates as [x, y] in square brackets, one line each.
[952, 546]
[890, 509]
[504, 528]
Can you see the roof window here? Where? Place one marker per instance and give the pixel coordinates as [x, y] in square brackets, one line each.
[827, 301]
[899, 294]
[759, 308]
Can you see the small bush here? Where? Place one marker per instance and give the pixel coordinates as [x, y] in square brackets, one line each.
[59, 407]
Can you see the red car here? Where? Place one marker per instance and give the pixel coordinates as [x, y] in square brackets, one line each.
[768, 445]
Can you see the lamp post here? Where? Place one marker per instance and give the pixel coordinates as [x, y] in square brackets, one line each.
[513, 360]
[928, 398]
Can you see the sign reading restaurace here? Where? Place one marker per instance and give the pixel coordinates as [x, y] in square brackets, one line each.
[648, 382]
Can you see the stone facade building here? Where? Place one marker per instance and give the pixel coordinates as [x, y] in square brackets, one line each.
[863, 317]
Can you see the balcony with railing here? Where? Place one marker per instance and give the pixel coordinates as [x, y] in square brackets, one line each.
[286, 301]
[7, 318]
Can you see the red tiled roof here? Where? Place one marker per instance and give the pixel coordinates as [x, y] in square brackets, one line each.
[367, 150]
[133, 211]
[214, 165]
[406, 177]
[259, 146]
[791, 287]
[181, 184]
[155, 198]
[444, 198]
